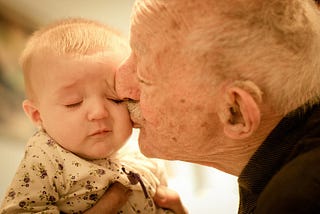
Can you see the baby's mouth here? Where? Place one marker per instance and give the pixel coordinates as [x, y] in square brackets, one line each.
[100, 132]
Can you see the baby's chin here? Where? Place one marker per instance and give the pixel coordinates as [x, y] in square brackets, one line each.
[135, 113]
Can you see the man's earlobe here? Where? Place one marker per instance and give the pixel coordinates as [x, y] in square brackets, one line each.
[32, 112]
[240, 113]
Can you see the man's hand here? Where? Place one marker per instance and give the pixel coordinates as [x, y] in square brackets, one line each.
[113, 199]
[167, 198]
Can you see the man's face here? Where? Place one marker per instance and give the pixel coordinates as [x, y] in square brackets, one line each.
[176, 101]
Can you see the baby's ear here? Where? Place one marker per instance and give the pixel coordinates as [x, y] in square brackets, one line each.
[32, 112]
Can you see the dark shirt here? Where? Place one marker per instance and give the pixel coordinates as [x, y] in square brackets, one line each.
[283, 175]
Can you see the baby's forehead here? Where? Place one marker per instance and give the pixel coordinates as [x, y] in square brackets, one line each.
[51, 58]
[107, 56]
[72, 64]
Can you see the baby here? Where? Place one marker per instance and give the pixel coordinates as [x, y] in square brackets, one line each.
[77, 153]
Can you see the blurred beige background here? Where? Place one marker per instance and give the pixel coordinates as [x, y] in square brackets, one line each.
[202, 189]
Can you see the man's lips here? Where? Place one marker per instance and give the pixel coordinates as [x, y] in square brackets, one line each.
[136, 122]
[135, 113]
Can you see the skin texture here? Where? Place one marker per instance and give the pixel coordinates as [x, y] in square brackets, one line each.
[207, 81]
[211, 79]
[183, 108]
[95, 124]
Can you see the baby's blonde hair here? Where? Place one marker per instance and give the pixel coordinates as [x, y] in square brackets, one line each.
[72, 36]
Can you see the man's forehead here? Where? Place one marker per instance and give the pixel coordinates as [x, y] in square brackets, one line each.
[137, 41]
[161, 18]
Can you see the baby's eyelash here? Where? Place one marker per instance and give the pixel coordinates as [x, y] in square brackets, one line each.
[117, 101]
[73, 105]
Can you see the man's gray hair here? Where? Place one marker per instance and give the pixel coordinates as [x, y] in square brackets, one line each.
[274, 44]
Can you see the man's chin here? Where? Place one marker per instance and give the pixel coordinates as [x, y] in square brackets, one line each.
[149, 147]
[144, 145]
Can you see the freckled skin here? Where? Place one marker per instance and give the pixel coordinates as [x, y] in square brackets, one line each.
[183, 103]
[169, 100]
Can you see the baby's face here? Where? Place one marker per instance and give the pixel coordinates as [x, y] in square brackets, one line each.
[78, 105]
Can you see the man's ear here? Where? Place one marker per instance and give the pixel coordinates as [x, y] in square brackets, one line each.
[32, 112]
[239, 111]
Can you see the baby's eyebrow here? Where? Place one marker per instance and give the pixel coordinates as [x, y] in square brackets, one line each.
[61, 91]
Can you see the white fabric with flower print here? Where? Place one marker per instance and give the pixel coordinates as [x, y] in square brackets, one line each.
[51, 179]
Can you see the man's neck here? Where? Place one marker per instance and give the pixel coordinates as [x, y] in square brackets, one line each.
[234, 155]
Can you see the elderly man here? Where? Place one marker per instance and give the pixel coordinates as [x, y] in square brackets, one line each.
[233, 85]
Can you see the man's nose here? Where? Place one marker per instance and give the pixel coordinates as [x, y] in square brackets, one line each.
[126, 81]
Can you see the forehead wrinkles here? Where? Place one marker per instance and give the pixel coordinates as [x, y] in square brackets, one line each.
[158, 18]
[172, 14]
[158, 30]
[167, 21]
[162, 26]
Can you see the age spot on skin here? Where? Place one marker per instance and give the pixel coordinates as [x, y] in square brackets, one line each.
[205, 124]
[175, 25]
[198, 108]
[174, 139]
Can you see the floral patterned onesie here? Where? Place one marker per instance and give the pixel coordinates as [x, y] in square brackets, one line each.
[51, 179]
